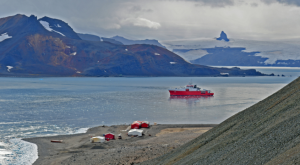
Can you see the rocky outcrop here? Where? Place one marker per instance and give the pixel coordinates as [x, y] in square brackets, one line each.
[265, 133]
[223, 36]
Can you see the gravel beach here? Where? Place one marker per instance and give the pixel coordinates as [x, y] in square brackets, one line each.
[77, 149]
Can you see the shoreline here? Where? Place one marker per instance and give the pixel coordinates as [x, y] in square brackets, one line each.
[77, 148]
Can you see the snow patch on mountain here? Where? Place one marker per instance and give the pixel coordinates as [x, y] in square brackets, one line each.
[4, 36]
[47, 27]
[9, 68]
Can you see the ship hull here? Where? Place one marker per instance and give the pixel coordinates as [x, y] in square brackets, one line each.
[189, 93]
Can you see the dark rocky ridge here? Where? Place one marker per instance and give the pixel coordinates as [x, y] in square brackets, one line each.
[265, 133]
[91, 37]
[88, 37]
[126, 41]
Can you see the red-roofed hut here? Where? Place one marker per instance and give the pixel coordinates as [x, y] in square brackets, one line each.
[136, 125]
[109, 136]
[145, 124]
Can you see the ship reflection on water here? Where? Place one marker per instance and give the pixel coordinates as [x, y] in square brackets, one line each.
[189, 100]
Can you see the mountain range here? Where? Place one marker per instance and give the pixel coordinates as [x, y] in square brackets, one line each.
[119, 40]
[238, 52]
[91, 37]
[50, 47]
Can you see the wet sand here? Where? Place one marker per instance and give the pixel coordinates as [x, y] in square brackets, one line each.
[77, 148]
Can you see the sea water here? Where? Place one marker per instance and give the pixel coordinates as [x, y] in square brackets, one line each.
[32, 107]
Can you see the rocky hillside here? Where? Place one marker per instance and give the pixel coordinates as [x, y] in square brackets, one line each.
[265, 133]
[50, 47]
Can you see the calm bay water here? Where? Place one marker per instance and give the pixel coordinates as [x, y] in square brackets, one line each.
[33, 107]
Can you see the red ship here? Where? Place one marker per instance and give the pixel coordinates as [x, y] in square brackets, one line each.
[190, 90]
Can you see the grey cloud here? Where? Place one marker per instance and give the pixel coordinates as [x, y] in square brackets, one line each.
[212, 3]
[134, 9]
[285, 2]
[254, 4]
[170, 19]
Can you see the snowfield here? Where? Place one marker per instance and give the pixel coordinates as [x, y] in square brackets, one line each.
[47, 27]
[4, 36]
[9, 68]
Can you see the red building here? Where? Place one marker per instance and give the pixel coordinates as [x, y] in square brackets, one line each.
[136, 125]
[109, 136]
[145, 124]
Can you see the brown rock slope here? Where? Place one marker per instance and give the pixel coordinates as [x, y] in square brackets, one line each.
[265, 133]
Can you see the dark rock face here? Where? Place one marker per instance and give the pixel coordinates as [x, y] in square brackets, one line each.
[265, 133]
[34, 51]
[132, 42]
[223, 36]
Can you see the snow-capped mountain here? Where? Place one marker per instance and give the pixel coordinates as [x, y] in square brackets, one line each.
[208, 51]
[50, 47]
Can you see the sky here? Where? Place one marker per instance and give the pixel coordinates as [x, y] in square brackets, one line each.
[169, 19]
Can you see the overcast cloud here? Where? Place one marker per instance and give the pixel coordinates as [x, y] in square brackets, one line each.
[169, 19]
[285, 2]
